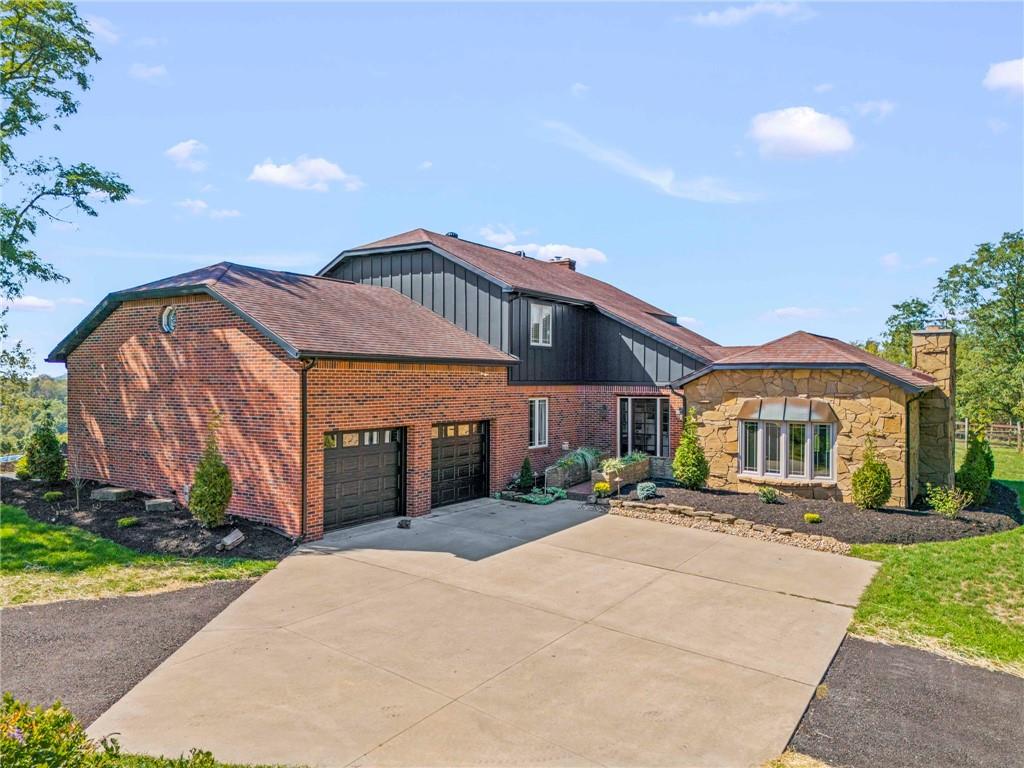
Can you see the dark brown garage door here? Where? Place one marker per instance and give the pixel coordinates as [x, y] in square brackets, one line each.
[458, 462]
[362, 476]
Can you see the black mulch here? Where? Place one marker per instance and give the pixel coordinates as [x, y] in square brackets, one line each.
[899, 707]
[170, 533]
[846, 522]
[90, 653]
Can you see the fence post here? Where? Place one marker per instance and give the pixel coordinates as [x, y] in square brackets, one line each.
[1019, 441]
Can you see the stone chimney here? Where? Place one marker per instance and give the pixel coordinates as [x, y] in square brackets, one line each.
[569, 263]
[934, 352]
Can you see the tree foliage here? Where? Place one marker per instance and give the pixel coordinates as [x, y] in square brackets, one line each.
[26, 404]
[43, 456]
[211, 487]
[690, 466]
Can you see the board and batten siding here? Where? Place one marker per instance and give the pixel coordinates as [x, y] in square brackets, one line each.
[587, 346]
[468, 300]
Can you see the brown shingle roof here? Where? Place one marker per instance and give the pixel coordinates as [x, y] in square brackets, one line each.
[316, 316]
[544, 277]
[808, 349]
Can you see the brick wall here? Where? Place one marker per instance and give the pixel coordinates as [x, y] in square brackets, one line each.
[140, 400]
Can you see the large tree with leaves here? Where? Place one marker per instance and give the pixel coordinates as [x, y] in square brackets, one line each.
[45, 51]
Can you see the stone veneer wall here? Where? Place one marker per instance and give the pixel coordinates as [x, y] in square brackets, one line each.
[863, 403]
[934, 353]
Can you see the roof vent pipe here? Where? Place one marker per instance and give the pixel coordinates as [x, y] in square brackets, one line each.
[452, 234]
[521, 254]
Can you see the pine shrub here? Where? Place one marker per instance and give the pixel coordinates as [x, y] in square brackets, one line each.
[211, 487]
[690, 466]
[43, 457]
[872, 482]
[526, 480]
[975, 472]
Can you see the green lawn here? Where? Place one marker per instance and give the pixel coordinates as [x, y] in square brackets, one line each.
[1010, 470]
[961, 598]
[43, 563]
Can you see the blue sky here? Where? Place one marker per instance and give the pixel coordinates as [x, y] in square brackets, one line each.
[754, 169]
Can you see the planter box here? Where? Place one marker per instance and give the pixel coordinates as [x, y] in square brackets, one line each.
[566, 477]
[628, 475]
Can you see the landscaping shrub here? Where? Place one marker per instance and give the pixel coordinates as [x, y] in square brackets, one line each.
[21, 470]
[51, 497]
[812, 517]
[584, 456]
[612, 465]
[45, 460]
[690, 466]
[558, 494]
[975, 473]
[872, 483]
[526, 479]
[33, 736]
[211, 487]
[127, 522]
[768, 495]
[602, 488]
[646, 491]
[948, 502]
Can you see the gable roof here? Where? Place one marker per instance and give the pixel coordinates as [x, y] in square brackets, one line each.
[313, 316]
[547, 278]
[808, 350]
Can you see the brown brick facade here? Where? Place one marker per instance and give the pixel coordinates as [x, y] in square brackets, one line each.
[140, 400]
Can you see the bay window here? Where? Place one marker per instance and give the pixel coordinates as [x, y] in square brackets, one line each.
[787, 437]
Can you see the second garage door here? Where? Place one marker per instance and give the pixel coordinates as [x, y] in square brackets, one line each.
[458, 462]
[362, 476]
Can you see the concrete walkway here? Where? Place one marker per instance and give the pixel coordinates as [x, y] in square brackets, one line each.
[493, 633]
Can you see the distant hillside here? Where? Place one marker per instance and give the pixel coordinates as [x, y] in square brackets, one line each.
[22, 407]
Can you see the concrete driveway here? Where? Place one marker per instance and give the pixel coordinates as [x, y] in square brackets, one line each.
[493, 633]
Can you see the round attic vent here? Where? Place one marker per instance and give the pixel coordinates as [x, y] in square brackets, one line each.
[168, 319]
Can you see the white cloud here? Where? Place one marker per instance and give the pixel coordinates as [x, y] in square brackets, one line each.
[823, 87]
[1006, 75]
[879, 109]
[313, 173]
[703, 189]
[687, 320]
[147, 71]
[500, 236]
[892, 260]
[30, 303]
[426, 165]
[555, 251]
[791, 313]
[225, 213]
[195, 207]
[579, 90]
[997, 126]
[103, 29]
[184, 155]
[741, 14]
[800, 131]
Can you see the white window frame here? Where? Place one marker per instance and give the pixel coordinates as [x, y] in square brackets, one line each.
[540, 310]
[662, 403]
[784, 473]
[535, 440]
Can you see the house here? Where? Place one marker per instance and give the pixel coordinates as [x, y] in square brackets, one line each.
[419, 370]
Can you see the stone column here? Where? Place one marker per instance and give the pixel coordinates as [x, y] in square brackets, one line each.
[934, 353]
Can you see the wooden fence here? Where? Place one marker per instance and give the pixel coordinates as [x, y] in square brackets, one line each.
[1001, 435]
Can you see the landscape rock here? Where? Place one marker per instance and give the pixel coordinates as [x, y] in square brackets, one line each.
[159, 505]
[110, 493]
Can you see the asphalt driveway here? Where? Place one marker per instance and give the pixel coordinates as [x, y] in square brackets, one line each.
[496, 633]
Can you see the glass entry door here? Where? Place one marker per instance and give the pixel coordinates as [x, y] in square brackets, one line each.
[643, 425]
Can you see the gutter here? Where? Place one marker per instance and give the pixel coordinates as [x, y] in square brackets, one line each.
[906, 446]
[303, 412]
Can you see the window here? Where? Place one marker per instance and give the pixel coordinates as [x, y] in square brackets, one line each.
[540, 325]
[330, 441]
[787, 449]
[644, 425]
[539, 422]
[168, 319]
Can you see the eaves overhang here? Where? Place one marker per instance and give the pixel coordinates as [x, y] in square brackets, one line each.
[905, 385]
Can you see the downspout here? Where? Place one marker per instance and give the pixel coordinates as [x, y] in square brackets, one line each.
[306, 365]
[906, 444]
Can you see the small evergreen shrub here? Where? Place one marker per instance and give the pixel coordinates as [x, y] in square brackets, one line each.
[525, 481]
[975, 474]
[602, 488]
[690, 466]
[127, 522]
[872, 482]
[948, 502]
[52, 497]
[45, 460]
[21, 470]
[211, 487]
[645, 491]
[812, 517]
[33, 736]
[768, 495]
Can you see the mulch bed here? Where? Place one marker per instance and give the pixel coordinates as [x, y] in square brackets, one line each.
[167, 533]
[846, 522]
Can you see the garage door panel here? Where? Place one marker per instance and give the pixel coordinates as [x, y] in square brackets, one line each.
[458, 462]
[362, 476]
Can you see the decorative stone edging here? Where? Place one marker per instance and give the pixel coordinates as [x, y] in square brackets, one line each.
[678, 514]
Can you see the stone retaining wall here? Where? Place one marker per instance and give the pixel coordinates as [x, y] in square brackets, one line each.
[722, 522]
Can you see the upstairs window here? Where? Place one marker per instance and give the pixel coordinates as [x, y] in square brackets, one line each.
[540, 325]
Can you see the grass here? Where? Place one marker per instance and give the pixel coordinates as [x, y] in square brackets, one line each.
[963, 599]
[43, 563]
[1009, 468]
